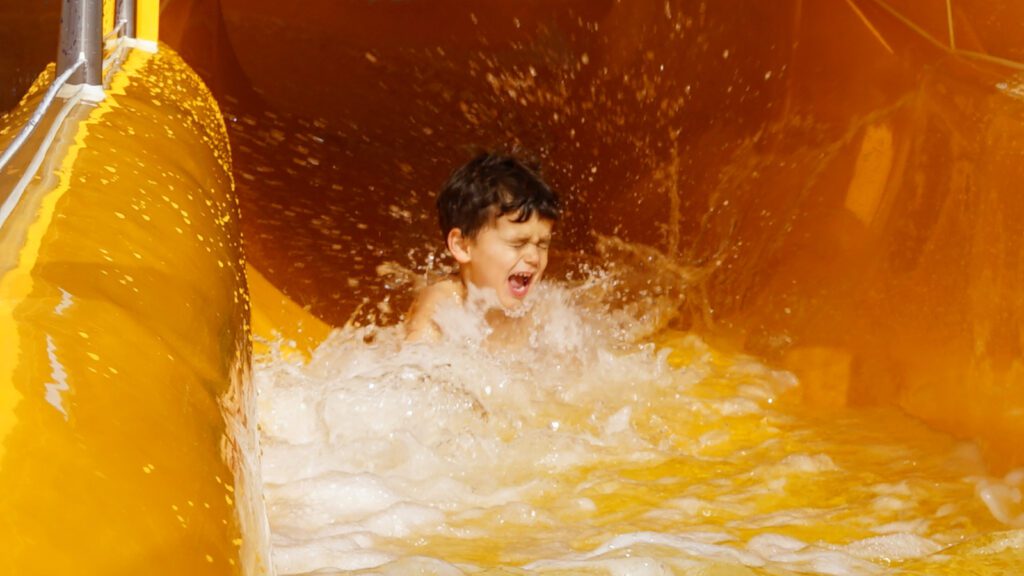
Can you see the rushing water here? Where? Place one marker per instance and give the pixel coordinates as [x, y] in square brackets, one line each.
[585, 438]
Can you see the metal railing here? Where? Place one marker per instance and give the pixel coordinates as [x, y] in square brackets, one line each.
[80, 65]
[81, 38]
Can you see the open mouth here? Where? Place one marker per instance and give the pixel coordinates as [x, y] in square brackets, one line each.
[519, 283]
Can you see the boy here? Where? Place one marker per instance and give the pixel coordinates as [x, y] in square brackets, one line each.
[496, 216]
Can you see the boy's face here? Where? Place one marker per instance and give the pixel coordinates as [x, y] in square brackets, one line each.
[506, 256]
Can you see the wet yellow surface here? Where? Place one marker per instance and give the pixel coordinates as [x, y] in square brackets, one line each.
[123, 317]
[278, 319]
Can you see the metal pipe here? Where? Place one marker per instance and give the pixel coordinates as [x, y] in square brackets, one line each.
[33, 121]
[115, 33]
[128, 15]
[8, 205]
[81, 32]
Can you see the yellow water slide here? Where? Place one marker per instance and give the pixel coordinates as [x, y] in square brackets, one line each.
[843, 174]
[125, 439]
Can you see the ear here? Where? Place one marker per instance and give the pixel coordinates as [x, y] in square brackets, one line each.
[459, 246]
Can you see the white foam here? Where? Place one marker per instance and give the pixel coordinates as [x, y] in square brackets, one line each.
[893, 547]
[1003, 497]
[530, 428]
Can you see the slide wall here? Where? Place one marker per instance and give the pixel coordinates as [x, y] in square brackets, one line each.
[126, 439]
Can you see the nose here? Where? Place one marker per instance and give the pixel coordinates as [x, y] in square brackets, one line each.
[531, 254]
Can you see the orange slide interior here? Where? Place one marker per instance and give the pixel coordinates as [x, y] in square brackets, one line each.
[841, 173]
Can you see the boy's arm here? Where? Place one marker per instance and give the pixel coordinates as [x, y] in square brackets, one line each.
[419, 323]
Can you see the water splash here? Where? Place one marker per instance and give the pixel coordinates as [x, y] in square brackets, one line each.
[586, 436]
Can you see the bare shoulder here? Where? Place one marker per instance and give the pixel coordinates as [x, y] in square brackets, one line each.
[419, 322]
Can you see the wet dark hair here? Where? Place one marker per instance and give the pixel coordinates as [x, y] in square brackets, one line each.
[490, 186]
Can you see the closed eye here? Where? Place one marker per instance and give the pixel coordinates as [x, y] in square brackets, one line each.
[543, 244]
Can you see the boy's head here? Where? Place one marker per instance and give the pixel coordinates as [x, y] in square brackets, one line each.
[496, 214]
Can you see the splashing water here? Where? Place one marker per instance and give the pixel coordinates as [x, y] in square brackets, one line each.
[585, 438]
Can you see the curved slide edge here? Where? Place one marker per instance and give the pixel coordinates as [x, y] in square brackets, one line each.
[277, 320]
[127, 429]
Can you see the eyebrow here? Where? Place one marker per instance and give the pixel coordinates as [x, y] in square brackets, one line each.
[529, 236]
